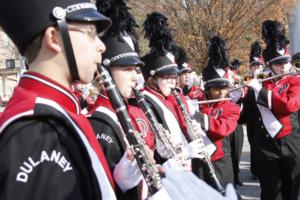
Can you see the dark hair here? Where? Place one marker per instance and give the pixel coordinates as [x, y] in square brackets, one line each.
[33, 49]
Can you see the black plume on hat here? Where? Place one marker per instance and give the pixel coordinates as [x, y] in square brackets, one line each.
[217, 53]
[273, 33]
[181, 59]
[160, 60]
[122, 20]
[256, 54]
[218, 61]
[120, 39]
[158, 32]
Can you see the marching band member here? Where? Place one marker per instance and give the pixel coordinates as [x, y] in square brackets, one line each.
[219, 119]
[237, 137]
[48, 150]
[256, 60]
[275, 111]
[124, 71]
[161, 73]
[185, 82]
[256, 68]
[124, 68]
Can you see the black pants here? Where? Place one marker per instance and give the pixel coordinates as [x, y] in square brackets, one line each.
[222, 167]
[236, 143]
[278, 166]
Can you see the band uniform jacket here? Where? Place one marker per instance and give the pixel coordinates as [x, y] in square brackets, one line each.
[47, 149]
[283, 99]
[112, 139]
[219, 120]
[178, 111]
[276, 159]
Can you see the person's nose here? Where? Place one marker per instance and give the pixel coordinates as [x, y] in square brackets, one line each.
[100, 45]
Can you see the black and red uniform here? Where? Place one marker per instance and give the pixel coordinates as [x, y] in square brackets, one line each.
[196, 92]
[219, 120]
[277, 160]
[179, 114]
[48, 150]
[111, 136]
[170, 105]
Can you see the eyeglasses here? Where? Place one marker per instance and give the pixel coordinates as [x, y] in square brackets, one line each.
[91, 32]
[169, 78]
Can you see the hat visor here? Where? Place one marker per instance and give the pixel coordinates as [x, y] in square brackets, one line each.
[217, 84]
[256, 63]
[281, 60]
[170, 70]
[91, 15]
[128, 61]
[184, 70]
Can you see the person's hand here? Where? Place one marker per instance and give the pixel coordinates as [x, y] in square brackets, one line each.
[127, 173]
[255, 85]
[236, 95]
[194, 149]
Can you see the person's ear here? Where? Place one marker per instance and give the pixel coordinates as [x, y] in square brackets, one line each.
[52, 39]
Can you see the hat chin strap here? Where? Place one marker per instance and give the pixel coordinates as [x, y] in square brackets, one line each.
[62, 25]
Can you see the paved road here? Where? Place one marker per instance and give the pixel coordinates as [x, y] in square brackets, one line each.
[251, 189]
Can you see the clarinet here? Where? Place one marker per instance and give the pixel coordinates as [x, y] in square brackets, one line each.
[192, 134]
[148, 169]
[173, 150]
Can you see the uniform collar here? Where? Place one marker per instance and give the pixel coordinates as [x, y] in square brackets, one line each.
[159, 95]
[103, 101]
[50, 89]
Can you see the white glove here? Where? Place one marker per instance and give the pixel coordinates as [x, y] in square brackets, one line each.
[235, 95]
[160, 194]
[196, 129]
[193, 149]
[127, 173]
[257, 86]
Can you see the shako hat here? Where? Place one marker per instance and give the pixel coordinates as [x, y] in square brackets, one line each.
[181, 60]
[235, 64]
[276, 51]
[23, 21]
[120, 39]
[160, 60]
[256, 57]
[214, 74]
